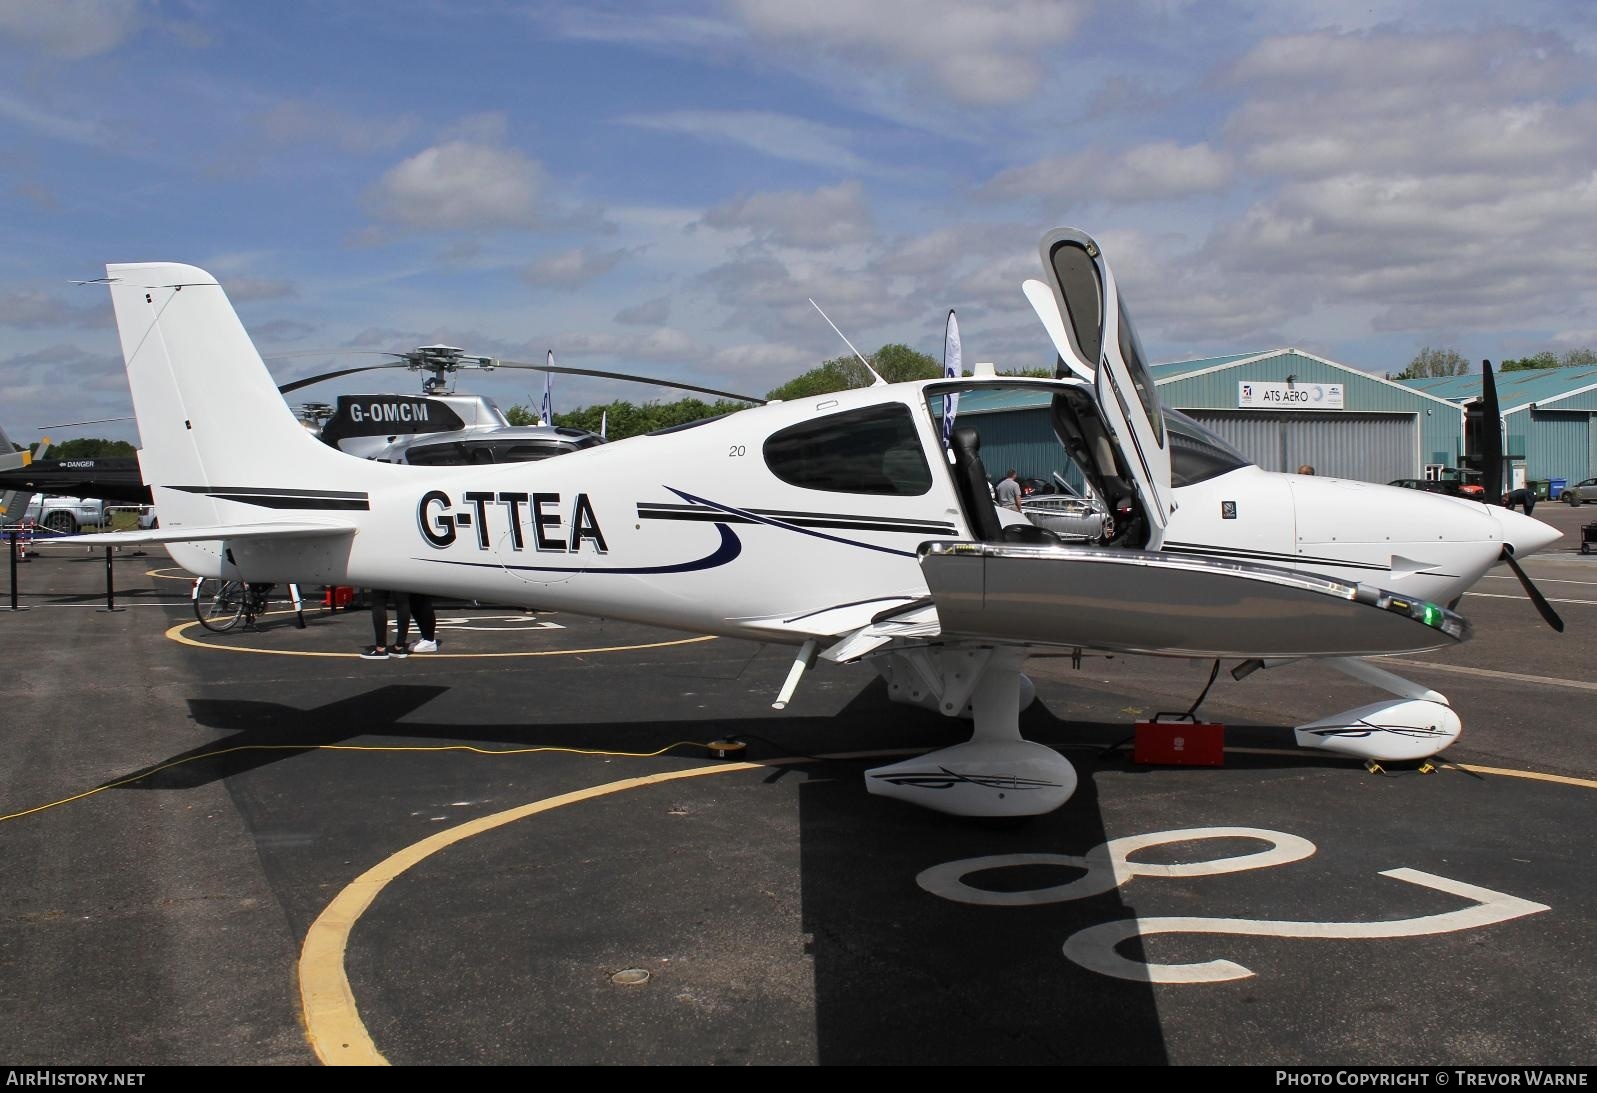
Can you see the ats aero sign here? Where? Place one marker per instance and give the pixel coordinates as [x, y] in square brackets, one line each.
[1253, 395]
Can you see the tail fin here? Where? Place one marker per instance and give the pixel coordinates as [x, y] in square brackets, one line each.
[12, 502]
[213, 425]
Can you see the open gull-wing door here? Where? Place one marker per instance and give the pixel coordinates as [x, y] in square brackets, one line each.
[1099, 330]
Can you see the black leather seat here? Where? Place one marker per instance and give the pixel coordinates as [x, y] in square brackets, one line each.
[970, 478]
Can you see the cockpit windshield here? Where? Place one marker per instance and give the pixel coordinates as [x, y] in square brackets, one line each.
[1196, 454]
[1141, 378]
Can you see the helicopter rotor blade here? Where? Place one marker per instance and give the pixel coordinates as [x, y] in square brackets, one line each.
[599, 374]
[297, 384]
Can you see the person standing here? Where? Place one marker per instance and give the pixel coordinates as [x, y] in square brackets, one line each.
[1007, 492]
[380, 649]
[421, 609]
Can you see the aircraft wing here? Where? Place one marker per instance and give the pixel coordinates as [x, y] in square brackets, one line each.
[1167, 604]
[283, 529]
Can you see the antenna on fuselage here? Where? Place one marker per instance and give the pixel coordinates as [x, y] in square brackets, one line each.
[880, 382]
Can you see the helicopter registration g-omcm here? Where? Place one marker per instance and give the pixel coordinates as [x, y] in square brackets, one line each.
[845, 525]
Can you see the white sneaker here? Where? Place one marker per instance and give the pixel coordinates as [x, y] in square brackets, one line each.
[425, 646]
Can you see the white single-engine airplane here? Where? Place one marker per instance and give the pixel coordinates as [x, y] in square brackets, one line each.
[843, 525]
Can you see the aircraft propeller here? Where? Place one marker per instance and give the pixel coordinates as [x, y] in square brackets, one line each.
[1491, 441]
[1543, 608]
[1491, 438]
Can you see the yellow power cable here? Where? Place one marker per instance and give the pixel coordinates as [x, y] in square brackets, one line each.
[356, 747]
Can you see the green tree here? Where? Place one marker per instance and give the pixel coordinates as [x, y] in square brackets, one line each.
[1544, 359]
[89, 447]
[894, 363]
[1548, 359]
[1430, 362]
[623, 419]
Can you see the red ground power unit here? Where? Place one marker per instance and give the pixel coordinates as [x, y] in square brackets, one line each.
[1179, 743]
[338, 597]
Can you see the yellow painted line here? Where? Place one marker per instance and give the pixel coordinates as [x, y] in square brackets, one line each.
[332, 1020]
[1531, 775]
[170, 573]
[331, 1016]
[1489, 673]
[177, 634]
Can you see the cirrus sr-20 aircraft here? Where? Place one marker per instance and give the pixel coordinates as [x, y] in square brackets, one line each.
[845, 526]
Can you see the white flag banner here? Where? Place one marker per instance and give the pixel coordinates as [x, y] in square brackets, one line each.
[604, 422]
[952, 369]
[548, 410]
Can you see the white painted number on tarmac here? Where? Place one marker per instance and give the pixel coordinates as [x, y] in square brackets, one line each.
[1107, 867]
[498, 622]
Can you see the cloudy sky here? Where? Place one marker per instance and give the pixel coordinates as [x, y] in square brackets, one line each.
[658, 187]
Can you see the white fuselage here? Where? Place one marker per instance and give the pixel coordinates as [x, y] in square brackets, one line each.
[691, 529]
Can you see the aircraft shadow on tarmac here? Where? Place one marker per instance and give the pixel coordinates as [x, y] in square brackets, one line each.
[900, 975]
[260, 733]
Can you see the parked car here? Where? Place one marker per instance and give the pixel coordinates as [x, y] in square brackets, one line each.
[1449, 486]
[1585, 490]
[1059, 509]
[65, 515]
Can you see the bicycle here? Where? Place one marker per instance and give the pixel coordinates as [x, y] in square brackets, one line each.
[219, 605]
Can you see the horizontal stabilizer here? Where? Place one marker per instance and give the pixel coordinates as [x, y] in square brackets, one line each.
[231, 532]
[916, 620]
[834, 622]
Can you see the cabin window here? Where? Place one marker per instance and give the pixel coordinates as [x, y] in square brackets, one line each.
[875, 450]
[1196, 454]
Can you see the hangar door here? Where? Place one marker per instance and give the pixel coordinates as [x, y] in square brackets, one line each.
[1367, 447]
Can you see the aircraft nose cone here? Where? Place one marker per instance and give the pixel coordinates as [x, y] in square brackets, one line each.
[1525, 534]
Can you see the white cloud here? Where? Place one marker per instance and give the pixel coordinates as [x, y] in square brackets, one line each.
[31, 309]
[768, 363]
[461, 185]
[661, 344]
[57, 126]
[1437, 179]
[1156, 171]
[571, 268]
[298, 121]
[780, 136]
[245, 289]
[983, 54]
[70, 29]
[648, 313]
[826, 217]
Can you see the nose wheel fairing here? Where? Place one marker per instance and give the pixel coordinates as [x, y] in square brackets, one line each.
[995, 773]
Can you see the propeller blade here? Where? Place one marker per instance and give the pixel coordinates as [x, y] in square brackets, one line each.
[297, 384]
[567, 371]
[1544, 608]
[1491, 438]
